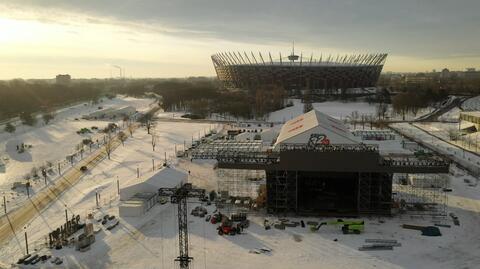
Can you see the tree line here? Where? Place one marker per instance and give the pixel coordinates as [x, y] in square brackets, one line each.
[413, 100]
[202, 96]
[22, 98]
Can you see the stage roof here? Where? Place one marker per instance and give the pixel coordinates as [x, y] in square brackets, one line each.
[299, 130]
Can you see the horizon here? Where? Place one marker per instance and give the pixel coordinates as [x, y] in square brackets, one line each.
[87, 40]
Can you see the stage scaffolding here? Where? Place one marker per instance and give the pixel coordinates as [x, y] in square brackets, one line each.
[239, 188]
[416, 194]
[219, 148]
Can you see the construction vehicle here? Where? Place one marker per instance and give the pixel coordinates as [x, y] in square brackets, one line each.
[216, 218]
[348, 226]
[227, 228]
[422, 154]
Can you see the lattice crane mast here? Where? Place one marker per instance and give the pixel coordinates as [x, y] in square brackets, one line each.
[180, 195]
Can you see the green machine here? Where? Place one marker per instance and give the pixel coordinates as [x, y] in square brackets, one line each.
[348, 226]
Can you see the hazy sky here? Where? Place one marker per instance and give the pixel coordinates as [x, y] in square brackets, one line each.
[156, 38]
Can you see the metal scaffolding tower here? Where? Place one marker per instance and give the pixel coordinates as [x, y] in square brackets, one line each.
[421, 194]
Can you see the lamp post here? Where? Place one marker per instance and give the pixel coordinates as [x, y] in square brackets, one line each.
[26, 239]
[66, 213]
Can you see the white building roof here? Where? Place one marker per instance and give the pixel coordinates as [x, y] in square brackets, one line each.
[167, 177]
[299, 129]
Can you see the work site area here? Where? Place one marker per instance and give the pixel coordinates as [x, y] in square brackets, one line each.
[179, 193]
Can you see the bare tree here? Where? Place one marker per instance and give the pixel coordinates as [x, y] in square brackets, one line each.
[154, 140]
[363, 119]
[48, 116]
[123, 137]
[125, 120]
[381, 110]
[354, 118]
[147, 119]
[109, 145]
[131, 128]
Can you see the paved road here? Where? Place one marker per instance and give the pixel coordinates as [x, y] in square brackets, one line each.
[14, 221]
[434, 116]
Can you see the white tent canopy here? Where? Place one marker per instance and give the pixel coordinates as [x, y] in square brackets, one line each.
[298, 130]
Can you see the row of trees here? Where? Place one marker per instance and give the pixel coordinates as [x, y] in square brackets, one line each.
[413, 100]
[22, 98]
[202, 96]
[29, 119]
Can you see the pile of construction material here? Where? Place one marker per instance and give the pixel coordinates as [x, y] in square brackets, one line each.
[426, 230]
[280, 224]
[262, 250]
[87, 237]
[60, 236]
[33, 259]
[199, 211]
[379, 244]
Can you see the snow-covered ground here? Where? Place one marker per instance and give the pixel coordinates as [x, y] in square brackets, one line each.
[452, 115]
[336, 109]
[151, 241]
[342, 110]
[52, 143]
[472, 104]
[418, 131]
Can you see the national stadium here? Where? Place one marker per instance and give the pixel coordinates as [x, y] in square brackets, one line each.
[237, 70]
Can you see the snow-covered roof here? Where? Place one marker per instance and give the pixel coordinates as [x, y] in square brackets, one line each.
[299, 129]
[167, 177]
[471, 113]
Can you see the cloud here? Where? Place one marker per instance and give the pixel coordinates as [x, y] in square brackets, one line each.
[414, 28]
[420, 29]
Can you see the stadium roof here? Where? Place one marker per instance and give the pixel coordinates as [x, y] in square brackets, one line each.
[239, 59]
[298, 130]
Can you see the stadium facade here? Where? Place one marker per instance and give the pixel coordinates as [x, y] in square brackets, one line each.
[250, 71]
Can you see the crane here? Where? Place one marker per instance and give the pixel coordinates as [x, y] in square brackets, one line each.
[180, 195]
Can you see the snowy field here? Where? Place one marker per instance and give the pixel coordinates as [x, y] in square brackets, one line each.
[440, 130]
[336, 109]
[472, 104]
[341, 110]
[52, 142]
[452, 115]
[151, 241]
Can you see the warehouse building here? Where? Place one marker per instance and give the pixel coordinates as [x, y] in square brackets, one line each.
[141, 195]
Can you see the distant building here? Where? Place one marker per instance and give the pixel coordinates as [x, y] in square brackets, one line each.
[63, 79]
[417, 78]
[471, 73]
[445, 74]
[141, 195]
[470, 120]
